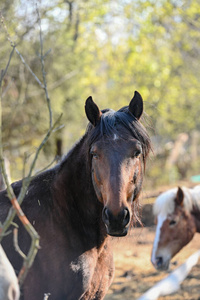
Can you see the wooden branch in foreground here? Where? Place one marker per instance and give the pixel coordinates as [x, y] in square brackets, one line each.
[16, 202]
[16, 209]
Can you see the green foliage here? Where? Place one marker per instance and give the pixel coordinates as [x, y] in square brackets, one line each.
[106, 49]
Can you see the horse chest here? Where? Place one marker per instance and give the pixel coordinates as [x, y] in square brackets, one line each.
[83, 269]
[94, 272]
[87, 276]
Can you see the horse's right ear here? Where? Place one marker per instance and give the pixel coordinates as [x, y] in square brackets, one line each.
[92, 111]
[179, 197]
[136, 105]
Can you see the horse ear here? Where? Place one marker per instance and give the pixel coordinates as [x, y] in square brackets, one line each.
[92, 111]
[179, 197]
[136, 105]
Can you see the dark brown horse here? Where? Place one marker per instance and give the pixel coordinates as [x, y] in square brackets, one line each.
[77, 205]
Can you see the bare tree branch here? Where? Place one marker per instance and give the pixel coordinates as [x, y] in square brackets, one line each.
[16, 209]
[16, 245]
[2, 162]
[43, 70]
[17, 51]
[55, 84]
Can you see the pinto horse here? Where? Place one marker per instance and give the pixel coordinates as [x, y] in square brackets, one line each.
[78, 204]
[178, 219]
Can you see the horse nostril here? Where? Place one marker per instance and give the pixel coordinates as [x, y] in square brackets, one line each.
[126, 216]
[106, 216]
[159, 261]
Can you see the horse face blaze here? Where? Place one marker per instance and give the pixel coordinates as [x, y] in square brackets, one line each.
[117, 178]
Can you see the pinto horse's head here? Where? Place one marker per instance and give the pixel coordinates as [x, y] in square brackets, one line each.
[118, 146]
[175, 226]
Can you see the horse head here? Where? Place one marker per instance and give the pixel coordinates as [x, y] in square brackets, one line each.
[117, 151]
[175, 227]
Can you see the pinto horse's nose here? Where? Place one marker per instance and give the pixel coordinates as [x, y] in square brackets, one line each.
[116, 225]
[159, 262]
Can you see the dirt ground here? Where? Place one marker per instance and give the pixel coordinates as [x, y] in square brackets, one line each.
[134, 273]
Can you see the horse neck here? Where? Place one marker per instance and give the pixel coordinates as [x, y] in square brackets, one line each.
[78, 170]
[75, 192]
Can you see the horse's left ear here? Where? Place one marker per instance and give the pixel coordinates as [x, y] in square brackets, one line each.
[136, 105]
[92, 111]
[179, 197]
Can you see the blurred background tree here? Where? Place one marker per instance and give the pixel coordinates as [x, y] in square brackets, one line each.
[106, 49]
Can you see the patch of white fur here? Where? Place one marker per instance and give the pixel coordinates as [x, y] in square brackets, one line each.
[161, 219]
[9, 288]
[115, 137]
[85, 266]
[75, 266]
[165, 204]
[195, 192]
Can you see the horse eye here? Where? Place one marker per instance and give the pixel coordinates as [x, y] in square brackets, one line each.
[94, 154]
[137, 153]
[172, 222]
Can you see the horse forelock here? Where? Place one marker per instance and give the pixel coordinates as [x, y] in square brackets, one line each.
[165, 203]
[120, 124]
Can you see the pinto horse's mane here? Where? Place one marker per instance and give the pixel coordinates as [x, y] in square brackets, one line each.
[165, 203]
[123, 125]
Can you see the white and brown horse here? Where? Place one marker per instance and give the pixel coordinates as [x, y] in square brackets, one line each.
[177, 214]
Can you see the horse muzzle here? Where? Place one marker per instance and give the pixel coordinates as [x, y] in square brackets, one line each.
[116, 225]
[161, 264]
